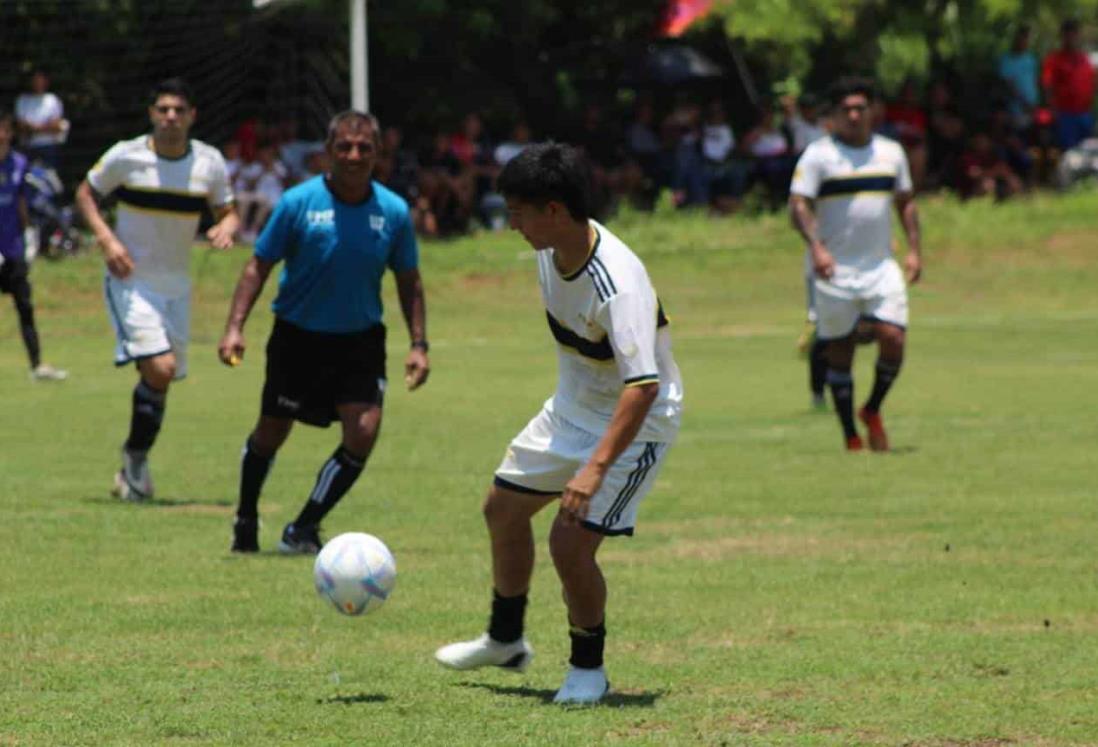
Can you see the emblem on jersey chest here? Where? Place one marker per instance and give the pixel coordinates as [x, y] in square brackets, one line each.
[377, 222]
[320, 217]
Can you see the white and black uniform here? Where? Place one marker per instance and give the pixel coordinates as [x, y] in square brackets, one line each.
[853, 189]
[159, 203]
[611, 333]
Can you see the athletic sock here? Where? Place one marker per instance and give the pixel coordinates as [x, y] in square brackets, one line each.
[147, 415]
[842, 392]
[28, 331]
[508, 614]
[253, 471]
[817, 366]
[887, 371]
[587, 646]
[332, 482]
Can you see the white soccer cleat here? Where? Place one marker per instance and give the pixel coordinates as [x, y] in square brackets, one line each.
[46, 372]
[485, 652]
[583, 687]
[133, 482]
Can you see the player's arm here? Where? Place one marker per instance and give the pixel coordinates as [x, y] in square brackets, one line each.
[231, 348]
[802, 214]
[115, 254]
[909, 218]
[413, 305]
[629, 414]
[227, 223]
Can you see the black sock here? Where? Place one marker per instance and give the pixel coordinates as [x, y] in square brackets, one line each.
[817, 367]
[842, 392]
[27, 329]
[587, 645]
[887, 371]
[253, 471]
[332, 482]
[508, 615]
[148, 414]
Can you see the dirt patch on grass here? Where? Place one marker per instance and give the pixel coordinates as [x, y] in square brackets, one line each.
[769, 544]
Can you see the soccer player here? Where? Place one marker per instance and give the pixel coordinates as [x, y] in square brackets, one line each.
[598, 442]
[843, 190]
[337, 234]
[14, 269]
[162, 182]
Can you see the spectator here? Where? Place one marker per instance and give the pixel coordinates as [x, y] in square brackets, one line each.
[906, 113]
[1018, 68]
[230, 151]
[508, 149]
[1010, 145]
[41, 120]
[1068, 79]
[984, 171]
[726, 178]
[769, 149]
[646, 168]
[802, 118]
[448, 187]
[689, 180]
[945, 137]
[292, 150]
[263, 182]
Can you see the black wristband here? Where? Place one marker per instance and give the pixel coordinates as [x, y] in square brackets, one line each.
[420, 345]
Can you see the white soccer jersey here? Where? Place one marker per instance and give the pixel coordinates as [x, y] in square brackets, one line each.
[611, 333]
[853, 189]
[159, 203]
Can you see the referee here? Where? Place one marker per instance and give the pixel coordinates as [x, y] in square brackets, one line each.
[337, 234]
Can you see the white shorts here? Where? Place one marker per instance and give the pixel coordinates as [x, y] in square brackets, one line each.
[146, 323]
[879, 295]
[550, 451]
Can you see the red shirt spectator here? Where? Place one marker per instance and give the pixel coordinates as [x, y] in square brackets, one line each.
[1067, 74]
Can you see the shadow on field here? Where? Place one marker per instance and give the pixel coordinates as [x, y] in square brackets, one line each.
[613, 699]
[106, 500]
[353, 699]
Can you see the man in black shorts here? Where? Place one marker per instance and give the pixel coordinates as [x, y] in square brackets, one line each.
[337, 233]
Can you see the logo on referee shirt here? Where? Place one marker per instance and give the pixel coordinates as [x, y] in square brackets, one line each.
[320, 217]
[377, 222]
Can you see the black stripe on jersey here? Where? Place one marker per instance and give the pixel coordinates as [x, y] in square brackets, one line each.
[600, 351]
[600, 270]
[661, 318]
[849, 185]
[590, 255]
[600, 286]
[170, 202]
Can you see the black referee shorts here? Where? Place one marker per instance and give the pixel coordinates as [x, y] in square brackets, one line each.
[309, 373]
[15, 278]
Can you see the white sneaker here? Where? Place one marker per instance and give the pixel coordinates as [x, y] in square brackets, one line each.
[46, 372]
[583, 686]
[133, 482]
[484, 652]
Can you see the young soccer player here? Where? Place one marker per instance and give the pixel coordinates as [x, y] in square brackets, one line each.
[162, 181]
[843, 190]
[338, 233]
[598, 442]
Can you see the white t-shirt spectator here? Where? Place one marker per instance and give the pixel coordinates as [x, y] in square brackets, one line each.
[506, 151]
[717, 142]
[804, 132]
[37, 109]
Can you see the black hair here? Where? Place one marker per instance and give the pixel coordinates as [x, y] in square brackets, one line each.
[172, 87]
[357, 119]
[850, 85]
[549, 172]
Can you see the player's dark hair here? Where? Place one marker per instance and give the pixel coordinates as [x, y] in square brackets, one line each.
[172, 87]
[549, 172]
[356, 120]
[851, 85]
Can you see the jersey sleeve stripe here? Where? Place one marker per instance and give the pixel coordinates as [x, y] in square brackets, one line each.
[640, 380]
[600, 287]
[601, 270]
[600, 351]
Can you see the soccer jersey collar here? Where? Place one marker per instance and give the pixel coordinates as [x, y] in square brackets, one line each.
[151, 144]
[594, 248]
[370, 194]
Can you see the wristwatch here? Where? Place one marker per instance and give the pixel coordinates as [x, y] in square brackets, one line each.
[420, 345]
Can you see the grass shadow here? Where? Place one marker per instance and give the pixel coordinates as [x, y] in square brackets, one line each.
[613, 699]
[107, 500]
[348, 700]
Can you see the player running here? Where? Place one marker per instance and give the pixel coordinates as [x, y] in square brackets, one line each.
[843, 190]
[162, 182]
[598, 442]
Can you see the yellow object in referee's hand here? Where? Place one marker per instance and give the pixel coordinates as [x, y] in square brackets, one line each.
[234, 360]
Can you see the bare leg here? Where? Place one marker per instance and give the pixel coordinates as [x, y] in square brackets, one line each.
[573, 548]
[507, 514]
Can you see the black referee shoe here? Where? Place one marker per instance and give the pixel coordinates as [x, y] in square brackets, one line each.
[300, 540]
[245, 535]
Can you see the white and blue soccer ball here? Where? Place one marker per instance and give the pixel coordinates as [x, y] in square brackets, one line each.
[355, 572]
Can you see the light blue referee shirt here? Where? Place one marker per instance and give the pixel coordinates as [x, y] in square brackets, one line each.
[335, 255]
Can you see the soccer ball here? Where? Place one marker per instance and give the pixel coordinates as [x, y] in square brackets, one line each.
[355, 572]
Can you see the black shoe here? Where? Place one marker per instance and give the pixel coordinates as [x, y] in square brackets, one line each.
[300, 540]
[245, 535]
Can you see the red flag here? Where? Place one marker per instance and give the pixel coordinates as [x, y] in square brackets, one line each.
[681, 13]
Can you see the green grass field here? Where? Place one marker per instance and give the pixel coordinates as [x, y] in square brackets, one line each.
[778, 592]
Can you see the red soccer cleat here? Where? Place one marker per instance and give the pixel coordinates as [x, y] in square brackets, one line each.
[878, 439]
[854, 443]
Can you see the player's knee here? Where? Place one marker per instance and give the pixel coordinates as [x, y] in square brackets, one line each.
[572, 556]
[159, 372]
